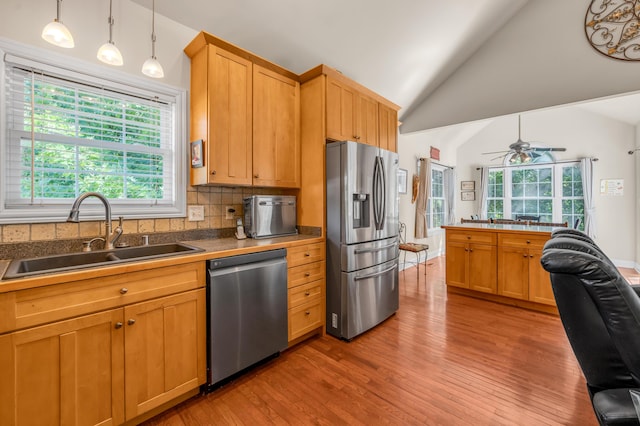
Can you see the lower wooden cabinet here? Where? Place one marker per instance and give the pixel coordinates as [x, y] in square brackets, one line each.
[306, 289]
[70, 372]
[521, 275]
[110, 366]
[164, 350]
[471, 264]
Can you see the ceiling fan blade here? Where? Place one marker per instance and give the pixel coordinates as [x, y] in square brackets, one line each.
[540, 149]
[499, 156]
[496, 152]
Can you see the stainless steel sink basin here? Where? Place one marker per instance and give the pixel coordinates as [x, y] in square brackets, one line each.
[66, 262]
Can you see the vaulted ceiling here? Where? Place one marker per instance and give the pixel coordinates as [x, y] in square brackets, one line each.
[401, 49]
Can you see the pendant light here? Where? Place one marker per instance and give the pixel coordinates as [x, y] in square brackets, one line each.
[151, 66]
[57, 33]
[108, 52]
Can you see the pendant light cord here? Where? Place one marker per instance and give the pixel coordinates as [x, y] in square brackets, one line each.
[153, 30]
[111, 21]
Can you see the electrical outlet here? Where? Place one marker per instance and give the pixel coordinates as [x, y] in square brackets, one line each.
[229, 212]
[195, 213]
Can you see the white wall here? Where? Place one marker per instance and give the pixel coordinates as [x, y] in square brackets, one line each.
[23, 21]
[540, 58]
[584, 134]
[411, 148]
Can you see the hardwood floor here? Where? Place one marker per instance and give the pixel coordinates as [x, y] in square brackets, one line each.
[440, 360]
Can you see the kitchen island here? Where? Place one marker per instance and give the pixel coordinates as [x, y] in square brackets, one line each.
[500, 263]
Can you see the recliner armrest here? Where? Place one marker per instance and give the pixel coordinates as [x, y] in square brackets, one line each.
[636, 288]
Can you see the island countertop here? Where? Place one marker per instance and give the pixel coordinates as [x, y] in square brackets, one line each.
[498, 227]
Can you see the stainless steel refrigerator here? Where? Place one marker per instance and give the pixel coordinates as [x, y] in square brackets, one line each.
[362, 237]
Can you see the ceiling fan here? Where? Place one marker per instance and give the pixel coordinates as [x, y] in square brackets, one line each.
[521, 151]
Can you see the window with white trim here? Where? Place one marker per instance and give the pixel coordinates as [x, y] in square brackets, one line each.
[436, 205]
[551, 191]
[69, 133]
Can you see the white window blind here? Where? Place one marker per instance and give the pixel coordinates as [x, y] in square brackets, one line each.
[66, 135]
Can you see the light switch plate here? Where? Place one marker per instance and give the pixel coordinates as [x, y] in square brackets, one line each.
[195, 213]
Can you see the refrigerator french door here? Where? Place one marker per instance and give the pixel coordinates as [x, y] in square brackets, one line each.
[362, 237]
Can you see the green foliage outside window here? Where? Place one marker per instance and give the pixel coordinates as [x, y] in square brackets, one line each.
[89, 142]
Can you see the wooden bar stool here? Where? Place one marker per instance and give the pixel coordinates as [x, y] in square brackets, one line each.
[415, 248]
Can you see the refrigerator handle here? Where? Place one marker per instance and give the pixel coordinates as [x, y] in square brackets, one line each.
[373, 250]
[383, 175]
[375, 191]
[377, 274]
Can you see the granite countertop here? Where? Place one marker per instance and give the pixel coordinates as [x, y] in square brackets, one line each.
[212, 249]
[500, 227]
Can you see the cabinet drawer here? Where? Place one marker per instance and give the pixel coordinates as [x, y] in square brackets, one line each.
[305, 253]
[304, 318]
[41, 305]
[305, 293]
[472, 237]
[304, 274]
[519, 240]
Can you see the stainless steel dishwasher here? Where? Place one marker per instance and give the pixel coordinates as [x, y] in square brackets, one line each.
[247, 311]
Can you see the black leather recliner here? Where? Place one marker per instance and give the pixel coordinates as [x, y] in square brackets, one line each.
[600, 313]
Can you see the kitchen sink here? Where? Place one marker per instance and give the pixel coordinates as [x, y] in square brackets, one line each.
[66, 262]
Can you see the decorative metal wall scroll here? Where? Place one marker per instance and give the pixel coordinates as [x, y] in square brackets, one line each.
[613, 28]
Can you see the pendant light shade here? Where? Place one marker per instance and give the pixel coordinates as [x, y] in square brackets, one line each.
[151, 66]
[57, 33]
[108, 52]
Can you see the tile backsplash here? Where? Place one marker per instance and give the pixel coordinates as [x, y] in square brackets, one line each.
[213, 199]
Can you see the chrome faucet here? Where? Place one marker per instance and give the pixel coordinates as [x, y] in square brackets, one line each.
[110, 236]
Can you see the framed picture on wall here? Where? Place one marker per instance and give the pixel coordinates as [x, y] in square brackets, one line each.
[468, 185]
[402, 181]
[468, 196]
[197, 152]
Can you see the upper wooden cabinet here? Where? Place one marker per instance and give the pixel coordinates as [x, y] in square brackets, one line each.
[247, 112]
[351, 115]
[388, 127]
[276, 129]
[221, 115]
[354, 112]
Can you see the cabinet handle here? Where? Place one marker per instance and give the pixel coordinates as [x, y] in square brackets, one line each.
[531, 255]
[306, 293]
[118, 325]
[213, 172]
[307, 313]
[124, 290]
[468, 237]
[131, 321]
[307, 254]
[528, 242]
[257, 176]
[470, 250]
[307, 274]
[524, 255]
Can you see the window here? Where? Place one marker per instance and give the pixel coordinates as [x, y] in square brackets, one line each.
[551, 191]
[436, 206]
[69, 133]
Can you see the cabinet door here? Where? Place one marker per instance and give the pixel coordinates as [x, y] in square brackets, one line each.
[513, 277]
[388, 125]
[341, 107]
[69, 372]
[456, 264]
[165, 353]
[482, 268]
[230, 118]
[367, 120]
[540, 289]
[276, 129]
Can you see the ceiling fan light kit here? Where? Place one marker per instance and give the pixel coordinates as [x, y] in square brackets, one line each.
[521, 152]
